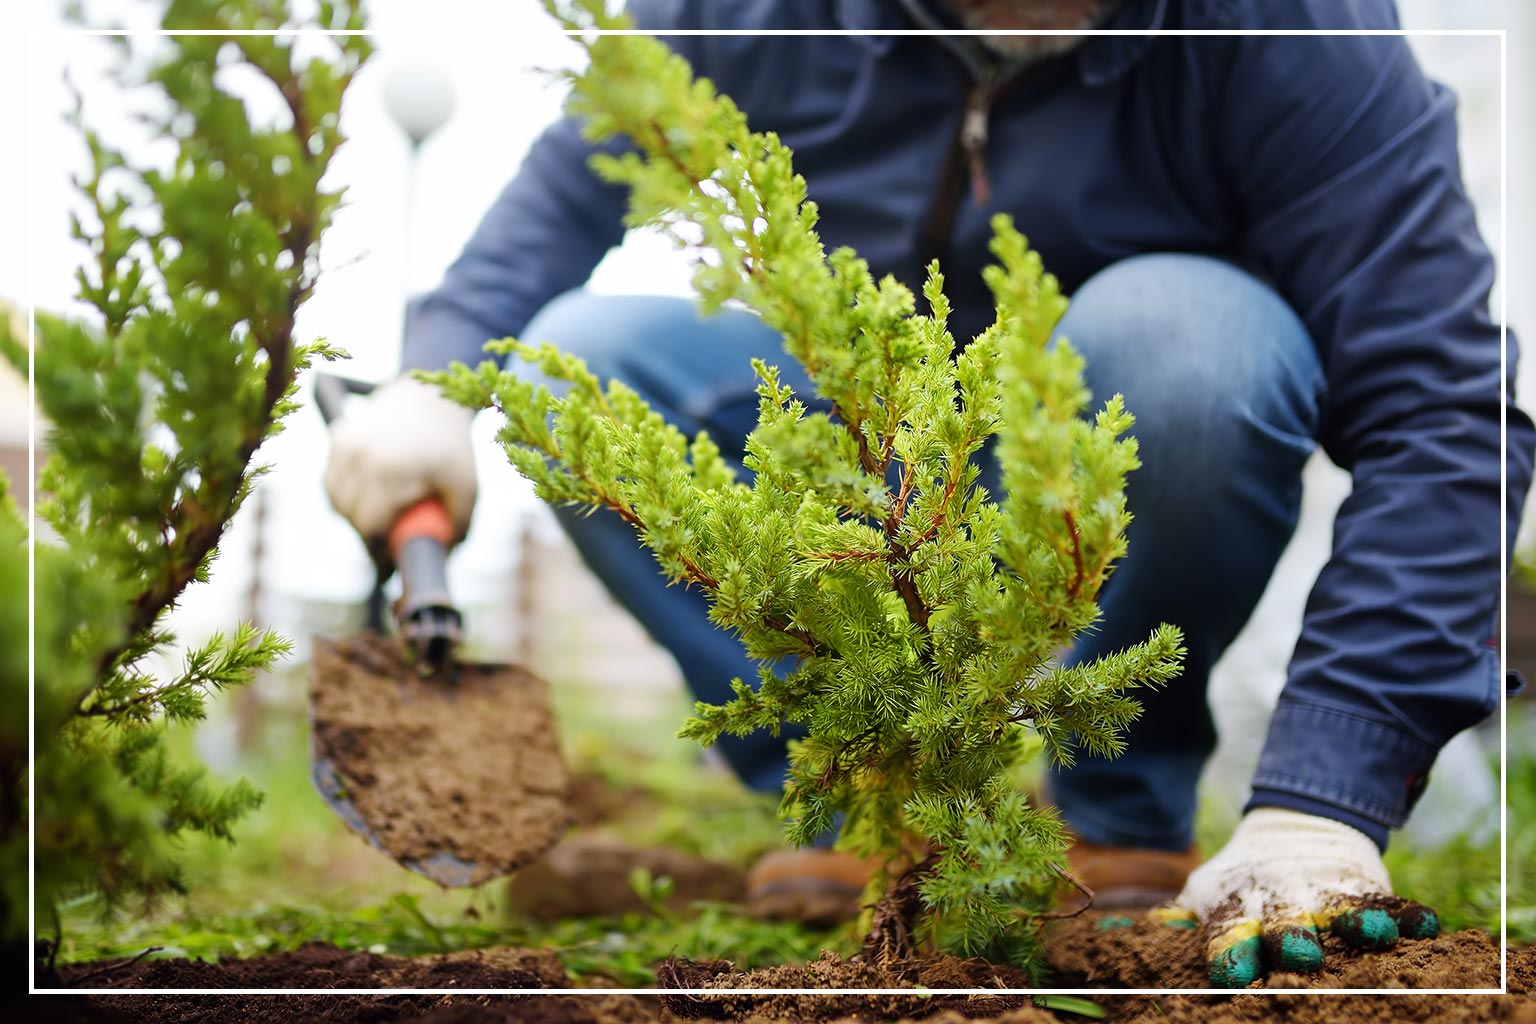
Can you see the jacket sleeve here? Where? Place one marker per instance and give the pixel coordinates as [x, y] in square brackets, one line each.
[1345, 178]
[543, 235]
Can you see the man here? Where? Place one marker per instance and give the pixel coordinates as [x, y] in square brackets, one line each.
[1267, 246]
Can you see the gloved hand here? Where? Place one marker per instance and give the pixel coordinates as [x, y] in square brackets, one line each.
[402, 443]
[1281, 879]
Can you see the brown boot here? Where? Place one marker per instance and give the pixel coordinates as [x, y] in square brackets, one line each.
[816, 887]
[1127, 877]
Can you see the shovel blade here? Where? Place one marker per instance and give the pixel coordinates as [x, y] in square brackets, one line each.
[458, 777]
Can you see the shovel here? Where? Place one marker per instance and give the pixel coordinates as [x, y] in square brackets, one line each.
[450, 767]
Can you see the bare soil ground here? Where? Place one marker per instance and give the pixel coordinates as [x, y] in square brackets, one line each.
[1081, 954]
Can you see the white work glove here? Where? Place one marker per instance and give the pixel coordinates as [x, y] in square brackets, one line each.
[1282, 878]
[402, 443]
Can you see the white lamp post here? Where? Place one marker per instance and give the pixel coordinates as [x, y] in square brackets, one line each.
[419, 97]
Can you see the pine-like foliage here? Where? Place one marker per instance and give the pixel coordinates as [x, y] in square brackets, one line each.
[155, 408]
[908, 620]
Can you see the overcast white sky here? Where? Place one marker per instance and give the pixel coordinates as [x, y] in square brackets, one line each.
[488, 47]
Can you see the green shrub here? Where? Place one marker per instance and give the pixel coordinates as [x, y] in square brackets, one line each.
[156, 407]
[906, 619]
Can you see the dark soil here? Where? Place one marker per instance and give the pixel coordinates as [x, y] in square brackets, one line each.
[1082, 954]
[832, 971]
[1147, 955]
[465, 769]
[317, 965]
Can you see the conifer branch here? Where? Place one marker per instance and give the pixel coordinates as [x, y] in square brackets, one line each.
[158, 406]
[199, 517]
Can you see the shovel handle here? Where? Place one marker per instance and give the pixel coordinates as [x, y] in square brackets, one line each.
[331, 391]
[427, 518]
[429, 622]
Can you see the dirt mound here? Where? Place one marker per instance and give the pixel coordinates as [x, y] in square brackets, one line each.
[1083, 953]
[302, 1009]
[317, 965]
[320, 965]
[832, 971]
[1115, 958]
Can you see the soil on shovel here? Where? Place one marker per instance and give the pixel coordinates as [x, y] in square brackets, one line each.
[467, 766]
[1082, 954]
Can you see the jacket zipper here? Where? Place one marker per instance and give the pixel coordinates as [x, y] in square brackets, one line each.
[973, 135]
[966, 155]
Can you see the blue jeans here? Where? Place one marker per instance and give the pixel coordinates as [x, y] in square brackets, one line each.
[1224, 383]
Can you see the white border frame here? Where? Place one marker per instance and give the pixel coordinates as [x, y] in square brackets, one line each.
[1503, 278]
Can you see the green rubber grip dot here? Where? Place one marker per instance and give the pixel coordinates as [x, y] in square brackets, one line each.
[1418, 923]
[1298, 949]
[1108, 924]
[1367, 929]
[1237, 966]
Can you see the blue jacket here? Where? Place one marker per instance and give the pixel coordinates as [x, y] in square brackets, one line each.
[1327, 165]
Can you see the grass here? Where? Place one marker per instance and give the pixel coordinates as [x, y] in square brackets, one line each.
[622, 949]
[1461, 879]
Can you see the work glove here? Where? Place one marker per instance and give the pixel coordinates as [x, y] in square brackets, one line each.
[400, 444]
[1282, 879]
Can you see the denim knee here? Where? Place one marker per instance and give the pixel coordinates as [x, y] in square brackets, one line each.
[693, 368]
[1197, 346]
[588, 326]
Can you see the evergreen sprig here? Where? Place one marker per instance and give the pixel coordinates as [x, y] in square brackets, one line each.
[156, 407]
[910, 621]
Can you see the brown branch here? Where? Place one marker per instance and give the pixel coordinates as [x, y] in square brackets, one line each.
[951, 484]
[1066, 875]
[75, 982]
[890, 934]
[866, 458]
[835, 767]
[906, 588]
[901, 575]
[1077, 553]
[908, 485]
